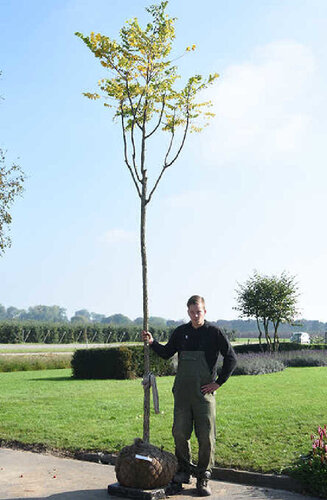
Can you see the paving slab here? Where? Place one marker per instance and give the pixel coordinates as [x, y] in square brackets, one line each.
[24, 474]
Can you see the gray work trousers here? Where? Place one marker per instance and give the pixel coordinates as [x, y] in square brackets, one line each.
[192, 408]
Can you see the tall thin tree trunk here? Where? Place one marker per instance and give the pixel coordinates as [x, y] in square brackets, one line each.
[260, 333]
[266, 328]
[146, 415]
[276, 338]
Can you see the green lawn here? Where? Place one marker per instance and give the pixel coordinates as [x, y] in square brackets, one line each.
[41, 347]
[27, 350]
[263, 422]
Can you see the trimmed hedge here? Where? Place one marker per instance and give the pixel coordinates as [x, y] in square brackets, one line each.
[127, 362]
[116, 363]
[15, 332]
[283, 346]
[102, 363]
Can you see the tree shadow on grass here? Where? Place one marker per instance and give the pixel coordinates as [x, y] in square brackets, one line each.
[71, 378]
[52, 379]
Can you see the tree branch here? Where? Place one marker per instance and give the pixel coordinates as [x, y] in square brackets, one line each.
[160, 118]
[134, 112]
[182, 143]
[143, 169]
[134, 152]
[126, 154]
[166, 165]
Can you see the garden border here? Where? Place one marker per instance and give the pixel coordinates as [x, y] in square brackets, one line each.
[274, 481]
[277, 482]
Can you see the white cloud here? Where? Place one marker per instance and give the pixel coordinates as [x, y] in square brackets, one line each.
[115, 236]
[263, 106]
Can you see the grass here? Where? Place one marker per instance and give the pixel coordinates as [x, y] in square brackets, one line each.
[263, 422]
[61, 348]
[40, 361]
[27, 350]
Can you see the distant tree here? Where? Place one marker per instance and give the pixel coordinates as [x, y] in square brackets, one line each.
[153, 321]
[173, 323]
[284, 303]
[141, 88]
[3, 312]
[14, 313]
[79, 319]
[81, 316]
[138, 321]
[118, 319]
[51, 314]
[270, 300]
[96, 317]
[157, 321]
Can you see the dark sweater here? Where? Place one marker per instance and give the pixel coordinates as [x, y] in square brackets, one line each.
[207, 338]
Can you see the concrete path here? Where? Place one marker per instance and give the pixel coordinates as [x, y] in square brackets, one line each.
[24, 474]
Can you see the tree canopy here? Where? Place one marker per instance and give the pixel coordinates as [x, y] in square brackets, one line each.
[50, 314]
[45, 313]
[271, 300]
[141, 90]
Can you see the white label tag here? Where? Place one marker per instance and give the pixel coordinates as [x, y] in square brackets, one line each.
[142, 457]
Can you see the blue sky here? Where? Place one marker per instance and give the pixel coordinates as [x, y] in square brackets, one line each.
[247, 193]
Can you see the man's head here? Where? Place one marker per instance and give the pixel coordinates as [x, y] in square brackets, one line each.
[196, 310]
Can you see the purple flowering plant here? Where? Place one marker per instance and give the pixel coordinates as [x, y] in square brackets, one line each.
[311, 469]
[319, 445]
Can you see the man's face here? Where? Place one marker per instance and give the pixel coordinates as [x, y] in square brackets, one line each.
[197, 312]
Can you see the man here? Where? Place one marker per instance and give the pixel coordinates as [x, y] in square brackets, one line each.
[198, 344]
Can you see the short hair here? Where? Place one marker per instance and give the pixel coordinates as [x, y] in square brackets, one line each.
[195, 299]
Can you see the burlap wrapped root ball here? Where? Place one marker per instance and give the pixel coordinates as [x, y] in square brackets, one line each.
[145, 466]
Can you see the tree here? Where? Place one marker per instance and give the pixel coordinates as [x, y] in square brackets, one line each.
[173, 323]
[3, 312]
[79, 319]
[271, 300]
[156, 321]
[14, 313]
[117, 319]
[141, 89]
[11, 185]
[81, 316]
[97, 317]
[52, 314]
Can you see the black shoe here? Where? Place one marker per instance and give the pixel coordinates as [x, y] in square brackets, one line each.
[182, 477]
[202, 485]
